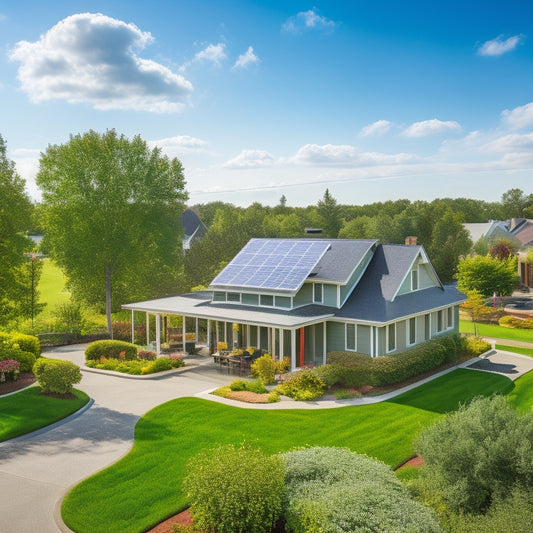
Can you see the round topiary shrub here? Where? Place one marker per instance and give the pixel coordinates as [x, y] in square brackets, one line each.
[9, 350]
[235, 489]
[111, 349]
[27, 343]
[55, 375]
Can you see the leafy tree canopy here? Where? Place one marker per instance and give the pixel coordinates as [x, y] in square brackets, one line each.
[487, 275]
[112, 209]
[15, 213]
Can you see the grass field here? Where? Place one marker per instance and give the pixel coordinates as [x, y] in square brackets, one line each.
[515, 349]
[150, 476]
[52, 288]
[28, 410]
[497, 332]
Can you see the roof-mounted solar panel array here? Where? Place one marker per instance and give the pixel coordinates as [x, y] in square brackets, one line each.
[274, 264]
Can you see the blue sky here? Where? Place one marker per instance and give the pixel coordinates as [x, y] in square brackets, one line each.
[373, 100]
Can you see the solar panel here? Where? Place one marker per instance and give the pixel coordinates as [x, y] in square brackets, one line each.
[281, 264]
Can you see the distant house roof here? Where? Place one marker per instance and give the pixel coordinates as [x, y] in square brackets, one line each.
[193, 227]
[524, 232]
[489, 230]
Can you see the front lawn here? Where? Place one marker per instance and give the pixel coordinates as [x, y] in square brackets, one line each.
[497, 332]
[146, 485]
[29, 410]
[515, 349]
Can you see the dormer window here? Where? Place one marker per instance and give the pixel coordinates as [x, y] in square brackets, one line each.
[414, 279]
[318, 293]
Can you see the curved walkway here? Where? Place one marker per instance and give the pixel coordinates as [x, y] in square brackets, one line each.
[37, 470]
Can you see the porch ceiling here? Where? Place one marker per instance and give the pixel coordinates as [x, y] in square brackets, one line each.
[199, 305]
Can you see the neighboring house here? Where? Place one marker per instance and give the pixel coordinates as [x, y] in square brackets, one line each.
[193, 228]
[522, 229]
[302, 298]
[491, 231]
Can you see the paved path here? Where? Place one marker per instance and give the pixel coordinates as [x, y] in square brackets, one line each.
[36, 471]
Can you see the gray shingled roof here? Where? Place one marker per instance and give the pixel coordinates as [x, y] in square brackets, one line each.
[338, 263]
[372, 299]
[199, 304]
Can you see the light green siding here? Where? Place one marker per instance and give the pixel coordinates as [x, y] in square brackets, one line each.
[426, 278]
[330, 295]
[363, 339]
[335, 333]
[381, 338]
[304, 295]
[401, 336]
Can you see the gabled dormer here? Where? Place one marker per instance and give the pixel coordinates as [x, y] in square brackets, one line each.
[420, 275]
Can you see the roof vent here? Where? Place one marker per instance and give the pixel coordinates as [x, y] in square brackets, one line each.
[410, 241]
[313, 230]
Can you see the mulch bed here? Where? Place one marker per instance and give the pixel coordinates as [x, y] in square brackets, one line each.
[414, 461]
[249, 397]
[24, 380]
[183, 519]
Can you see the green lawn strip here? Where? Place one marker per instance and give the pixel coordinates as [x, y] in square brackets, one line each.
[52, 288]
[29, 410]
[497, 332]
[515, 349]
[145, 486]
[521, 397]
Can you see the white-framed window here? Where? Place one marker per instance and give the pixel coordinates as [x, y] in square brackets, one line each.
[266, 300]
[412, 331]
[414, 279]
[440, 320]
[318, 293]
[351, 337]
[449, 312]
[391, 338]
[427, 327]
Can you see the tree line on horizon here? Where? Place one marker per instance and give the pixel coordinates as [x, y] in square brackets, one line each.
[111, 213]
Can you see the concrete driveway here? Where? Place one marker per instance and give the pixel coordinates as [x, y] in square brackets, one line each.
[508, 364]
[37, 470]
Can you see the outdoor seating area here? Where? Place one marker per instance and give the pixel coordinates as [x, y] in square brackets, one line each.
[237, 361]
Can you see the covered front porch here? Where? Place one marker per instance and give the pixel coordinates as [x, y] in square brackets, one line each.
[301, 338]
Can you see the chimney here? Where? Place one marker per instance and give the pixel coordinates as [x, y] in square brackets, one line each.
[410, 241]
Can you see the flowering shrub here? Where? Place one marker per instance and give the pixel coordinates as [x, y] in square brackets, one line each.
[176, 361]
[137, 367]
[264, 368]
[146, 355]
[9, 367]
[305, 385]
[111, 349]
[10, 350]
[283, 365]
[222, 346]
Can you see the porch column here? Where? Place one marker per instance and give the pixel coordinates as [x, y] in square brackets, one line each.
[293, 349]
[302, 347]
[324, 335]
[157, 334]
[147, 329]
[273, 330]
[248, 336]
[132, 328]
[281, 339]
[184, 331]
[196, 331]
[208, 337]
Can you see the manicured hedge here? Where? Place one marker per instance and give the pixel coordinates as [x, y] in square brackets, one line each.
[27, 343]
[360, 369]
[10, 350]
[56, 375]
[111, 349]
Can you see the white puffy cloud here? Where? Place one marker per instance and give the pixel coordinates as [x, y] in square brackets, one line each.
[250, 159]
[511, 143]
[431, 127]
[378, 128]
[499, 46]
[305, 20]
[214, 52]
[27, 164]
[246, 59]
[519, 117]
[90, 58]
[344, 155]
[180, 144]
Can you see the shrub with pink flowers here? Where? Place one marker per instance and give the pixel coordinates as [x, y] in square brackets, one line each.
[9, 370]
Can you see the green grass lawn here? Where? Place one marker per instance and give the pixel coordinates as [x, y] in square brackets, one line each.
[145, 486]
[28, 410]
[515, 349]
[497, 332]
[52, 288]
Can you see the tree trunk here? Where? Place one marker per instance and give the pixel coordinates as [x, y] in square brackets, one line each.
[108, 298]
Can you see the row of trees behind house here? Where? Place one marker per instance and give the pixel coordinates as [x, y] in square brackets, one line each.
[111, 210]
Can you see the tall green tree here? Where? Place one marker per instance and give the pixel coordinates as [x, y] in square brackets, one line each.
[487, 275]
[330, 214]
[112, 209]
[515, 202]
[15, 213]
